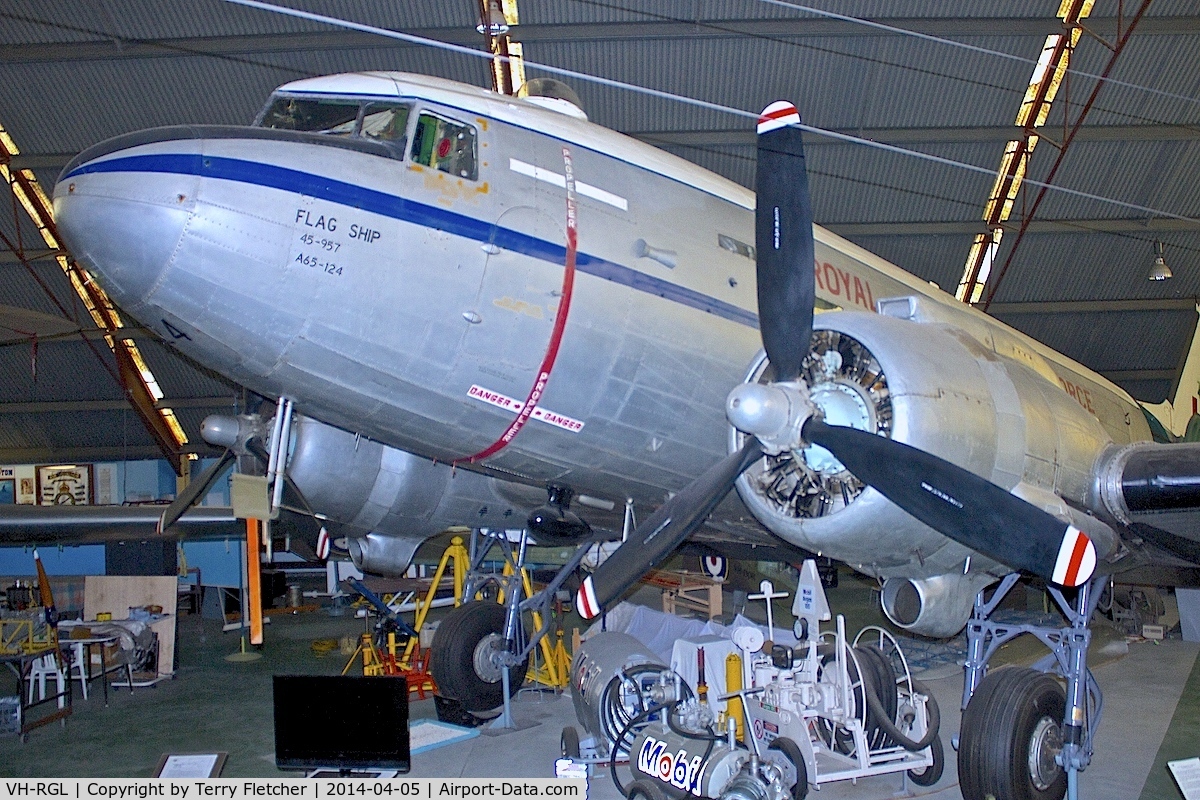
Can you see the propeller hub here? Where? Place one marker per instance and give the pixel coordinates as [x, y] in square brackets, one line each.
[842, 404]
[774, 412]
[220, 430]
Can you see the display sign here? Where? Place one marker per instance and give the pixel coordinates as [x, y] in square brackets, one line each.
[65, 485]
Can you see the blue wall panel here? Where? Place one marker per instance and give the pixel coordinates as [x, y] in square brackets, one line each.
[220, 562]
[85, 559]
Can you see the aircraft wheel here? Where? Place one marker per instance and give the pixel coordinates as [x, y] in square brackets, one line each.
[791, 751]
[933, 773]
[568, 743]
[645, 790]
[462, 662]
[1011, 732]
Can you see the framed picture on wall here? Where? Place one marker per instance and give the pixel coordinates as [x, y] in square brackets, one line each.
[8, 491]
[69, 485]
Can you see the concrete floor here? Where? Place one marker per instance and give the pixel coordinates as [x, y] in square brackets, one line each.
[214, 705]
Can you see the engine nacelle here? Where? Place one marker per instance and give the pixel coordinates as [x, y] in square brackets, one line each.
[936, 388]
[387, 501]
[937, 607]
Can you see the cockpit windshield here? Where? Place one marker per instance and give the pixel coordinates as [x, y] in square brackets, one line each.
[335, 117]
[437, 141]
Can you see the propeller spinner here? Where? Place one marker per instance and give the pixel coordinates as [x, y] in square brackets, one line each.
[781, 416]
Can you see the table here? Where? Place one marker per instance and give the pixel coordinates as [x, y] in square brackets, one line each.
[81, 656]
[21, 665]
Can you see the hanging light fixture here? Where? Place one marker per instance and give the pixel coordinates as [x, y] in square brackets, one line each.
[1159, 271]
[497, 25]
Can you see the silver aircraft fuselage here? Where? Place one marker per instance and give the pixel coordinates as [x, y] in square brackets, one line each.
[412, 305]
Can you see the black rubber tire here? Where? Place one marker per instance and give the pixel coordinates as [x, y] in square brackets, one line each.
[645, 789]
[933, 773]
[791, 751]
[568, 742]
[998, 731]
[453, 658]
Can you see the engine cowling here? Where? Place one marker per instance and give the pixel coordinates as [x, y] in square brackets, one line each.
[936, 388]
[937, 606]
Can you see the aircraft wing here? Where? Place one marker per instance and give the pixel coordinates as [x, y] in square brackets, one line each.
[24, 524]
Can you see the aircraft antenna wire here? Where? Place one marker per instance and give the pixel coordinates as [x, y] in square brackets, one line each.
[560, 322]
[990, 172]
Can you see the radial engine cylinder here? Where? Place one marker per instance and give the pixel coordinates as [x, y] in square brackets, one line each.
[995, 410]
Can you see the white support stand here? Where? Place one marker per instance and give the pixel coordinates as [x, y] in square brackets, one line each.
[768, 594]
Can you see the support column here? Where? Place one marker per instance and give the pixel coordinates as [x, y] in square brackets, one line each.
[254, 579]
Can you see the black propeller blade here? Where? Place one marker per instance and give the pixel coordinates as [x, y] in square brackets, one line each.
[969, 509]
[783, 241]
[194, 491]
[786, 292]
[663, 531]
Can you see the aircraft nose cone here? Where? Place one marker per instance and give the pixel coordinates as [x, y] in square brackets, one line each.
[122, 225]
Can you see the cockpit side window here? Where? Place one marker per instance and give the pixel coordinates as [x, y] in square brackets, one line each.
[445, 145]
[333, 117]
[387, 123]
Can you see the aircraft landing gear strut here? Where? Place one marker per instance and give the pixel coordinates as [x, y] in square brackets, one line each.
[481, 650]
[1022, 736]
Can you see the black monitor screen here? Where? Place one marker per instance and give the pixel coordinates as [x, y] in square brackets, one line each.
[341, 722]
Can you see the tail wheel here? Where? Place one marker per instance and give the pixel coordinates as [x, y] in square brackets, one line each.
[463, 662]
[791, 751]
[1011, 732]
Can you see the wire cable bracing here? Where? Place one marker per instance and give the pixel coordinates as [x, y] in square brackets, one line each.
[990, 172]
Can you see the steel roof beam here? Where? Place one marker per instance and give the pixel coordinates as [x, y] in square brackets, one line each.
[79, 406]
[1094, 306]
[1119, 375]
[799, 27]
[938, 135]
[71, 455]
[969, 227]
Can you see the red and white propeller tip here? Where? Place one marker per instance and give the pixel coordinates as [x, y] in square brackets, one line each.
[1076, 559]
[777, 115]
[585, 600]
[323, 545]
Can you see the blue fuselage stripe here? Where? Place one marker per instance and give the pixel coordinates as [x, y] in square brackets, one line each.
[390, 205]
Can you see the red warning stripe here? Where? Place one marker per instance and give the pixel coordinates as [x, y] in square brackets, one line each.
[777, 115]
[1076, 558]
[1081, 545]
[560, 321]
[586, 599]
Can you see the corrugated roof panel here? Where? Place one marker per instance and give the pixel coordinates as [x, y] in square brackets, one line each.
[179, 377]
[36, 21]
[107, 98]
[931, 258]
[875, 85]
[1146, 173]
[66, 370]
[1100, 267]
[1153, 62]
[1112, 341]
[858, 184]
